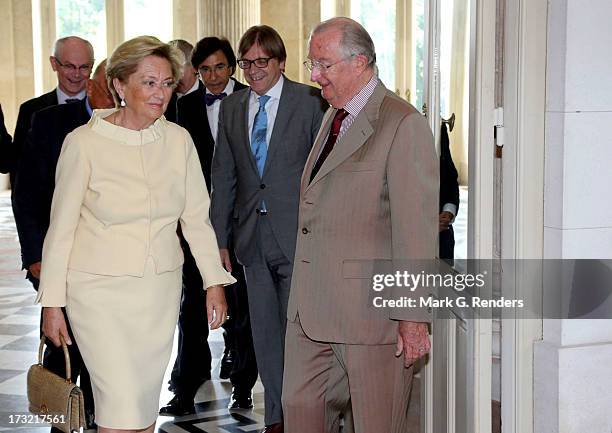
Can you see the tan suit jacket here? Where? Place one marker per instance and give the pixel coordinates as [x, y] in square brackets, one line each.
[374, 198]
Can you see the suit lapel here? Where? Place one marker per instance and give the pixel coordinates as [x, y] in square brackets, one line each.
[316, 147]
[283, 113]
[243, 113]
[357, 134]
[202, 115]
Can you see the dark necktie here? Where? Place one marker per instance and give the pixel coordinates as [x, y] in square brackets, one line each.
[72, 100]
[331, 141]
[210, 98]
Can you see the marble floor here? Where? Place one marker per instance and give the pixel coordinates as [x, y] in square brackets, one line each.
[19, 322]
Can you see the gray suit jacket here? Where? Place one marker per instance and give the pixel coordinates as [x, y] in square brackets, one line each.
[237, 188]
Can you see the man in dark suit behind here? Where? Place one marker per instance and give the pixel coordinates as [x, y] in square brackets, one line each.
[198, 112]
[187, 84]
[5, 145]
[265, 135]
[72, 60]
[33, 193]
[449, 199]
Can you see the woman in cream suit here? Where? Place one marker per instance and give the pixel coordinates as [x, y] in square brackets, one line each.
[111, 255]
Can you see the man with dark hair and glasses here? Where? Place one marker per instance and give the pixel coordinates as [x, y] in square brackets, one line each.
[198, 112]
[264, 137]
[72, 60]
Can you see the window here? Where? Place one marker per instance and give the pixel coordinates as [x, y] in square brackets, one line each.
[84, 18]
[378, 17]
[418, 54]
[148, 17]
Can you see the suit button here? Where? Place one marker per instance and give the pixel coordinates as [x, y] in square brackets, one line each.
[305, 230]
[262, 186]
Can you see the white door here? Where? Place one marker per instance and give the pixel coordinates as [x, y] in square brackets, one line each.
[460, 79]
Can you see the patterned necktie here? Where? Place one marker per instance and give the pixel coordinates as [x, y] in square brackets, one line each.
[210, 98]
[331, 141]
[259, 146]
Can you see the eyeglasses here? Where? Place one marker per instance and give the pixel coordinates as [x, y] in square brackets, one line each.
[69, 67]
[262, 62]
[219, 69]
[321, 67]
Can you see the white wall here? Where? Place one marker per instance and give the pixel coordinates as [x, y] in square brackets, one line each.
[573, 378]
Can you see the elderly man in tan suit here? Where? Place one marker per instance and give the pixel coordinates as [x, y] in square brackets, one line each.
[369, 192]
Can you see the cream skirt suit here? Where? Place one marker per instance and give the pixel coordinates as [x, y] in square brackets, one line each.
[113, 259]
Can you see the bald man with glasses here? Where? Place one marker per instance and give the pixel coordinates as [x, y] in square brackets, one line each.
[72, 61]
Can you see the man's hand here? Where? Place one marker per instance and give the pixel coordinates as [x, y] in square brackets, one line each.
[54, 325]
[216, 306]
[412, 341]
[225, 259]
[444, 221]
[34, 269]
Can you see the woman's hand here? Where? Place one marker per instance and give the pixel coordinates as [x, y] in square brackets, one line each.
[54, 325]
[216, 306]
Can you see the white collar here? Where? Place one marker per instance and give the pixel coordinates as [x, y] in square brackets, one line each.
[61, 96]
[274, 92]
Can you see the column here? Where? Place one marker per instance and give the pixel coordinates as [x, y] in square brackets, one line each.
[16, 68]
[572, 374]
[293, 19]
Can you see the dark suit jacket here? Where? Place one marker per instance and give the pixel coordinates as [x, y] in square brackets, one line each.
[5, 146]
[449, 186]
[24, 121]
[237, 188]
[192, 116]
[35, 182]
[171, 110]
[449, 193]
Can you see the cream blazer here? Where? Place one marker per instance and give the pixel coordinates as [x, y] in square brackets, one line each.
[119, 194]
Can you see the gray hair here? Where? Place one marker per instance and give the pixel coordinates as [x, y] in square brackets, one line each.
[185, 47]
[355, 39]
[59, 46]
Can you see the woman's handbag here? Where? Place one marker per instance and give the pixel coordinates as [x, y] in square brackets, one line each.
[58, 401]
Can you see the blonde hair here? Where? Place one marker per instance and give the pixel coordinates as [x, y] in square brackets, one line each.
[125, 59]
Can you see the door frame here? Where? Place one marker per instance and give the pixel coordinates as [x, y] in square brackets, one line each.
[481, 193]
[523, 193]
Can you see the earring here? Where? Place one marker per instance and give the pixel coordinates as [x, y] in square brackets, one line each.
[122, 102]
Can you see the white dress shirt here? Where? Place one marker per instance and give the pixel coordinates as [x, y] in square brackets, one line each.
[193, 88]
[212, 111]
[271, 107]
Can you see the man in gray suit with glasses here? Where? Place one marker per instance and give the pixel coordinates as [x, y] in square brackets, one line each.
[264, 138]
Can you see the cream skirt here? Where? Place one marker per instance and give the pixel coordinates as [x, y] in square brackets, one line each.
[124, 327]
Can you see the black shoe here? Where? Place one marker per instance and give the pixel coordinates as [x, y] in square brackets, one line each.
[227, 364]
[240, 400]
[178, 407]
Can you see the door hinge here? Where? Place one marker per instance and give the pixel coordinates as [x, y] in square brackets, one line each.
[498, 131]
